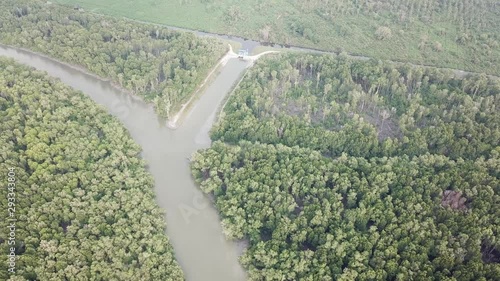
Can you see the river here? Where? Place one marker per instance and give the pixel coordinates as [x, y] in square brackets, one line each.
[193, 224]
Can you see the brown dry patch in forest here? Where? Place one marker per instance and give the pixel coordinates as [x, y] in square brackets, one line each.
[294, 108]
[388, 128]
[454, 200]
[289, 106]
[371, 113]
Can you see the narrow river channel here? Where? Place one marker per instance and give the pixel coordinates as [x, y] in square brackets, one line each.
[193, 224]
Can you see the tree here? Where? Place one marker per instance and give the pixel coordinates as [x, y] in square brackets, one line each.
[79, 198]
[323, 199]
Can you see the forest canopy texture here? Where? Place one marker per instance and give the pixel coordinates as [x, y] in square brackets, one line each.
[162, 66]
[85, 205]
[358, 170]
[461, 34]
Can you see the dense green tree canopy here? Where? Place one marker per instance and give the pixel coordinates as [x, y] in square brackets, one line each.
[358, 170]
[363, 108]
[308, 217]
[160, 65]
[85, 206]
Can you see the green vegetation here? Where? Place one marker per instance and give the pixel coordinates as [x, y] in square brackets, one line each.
[85, 207]
[358, 170]
[461, 34]
[363, 108]
[160, 65]
[332, 168]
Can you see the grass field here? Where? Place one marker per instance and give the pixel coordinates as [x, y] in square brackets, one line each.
[461, 34]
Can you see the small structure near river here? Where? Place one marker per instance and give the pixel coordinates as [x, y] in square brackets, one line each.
[242, 54]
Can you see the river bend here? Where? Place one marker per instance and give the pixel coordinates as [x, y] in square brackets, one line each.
[193, 224]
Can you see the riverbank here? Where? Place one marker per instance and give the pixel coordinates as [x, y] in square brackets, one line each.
[258, 47]
[193, 224]
[75, 67]
[174, 122]
[422, 34]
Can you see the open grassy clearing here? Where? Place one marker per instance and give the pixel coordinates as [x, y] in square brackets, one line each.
[456, 34]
